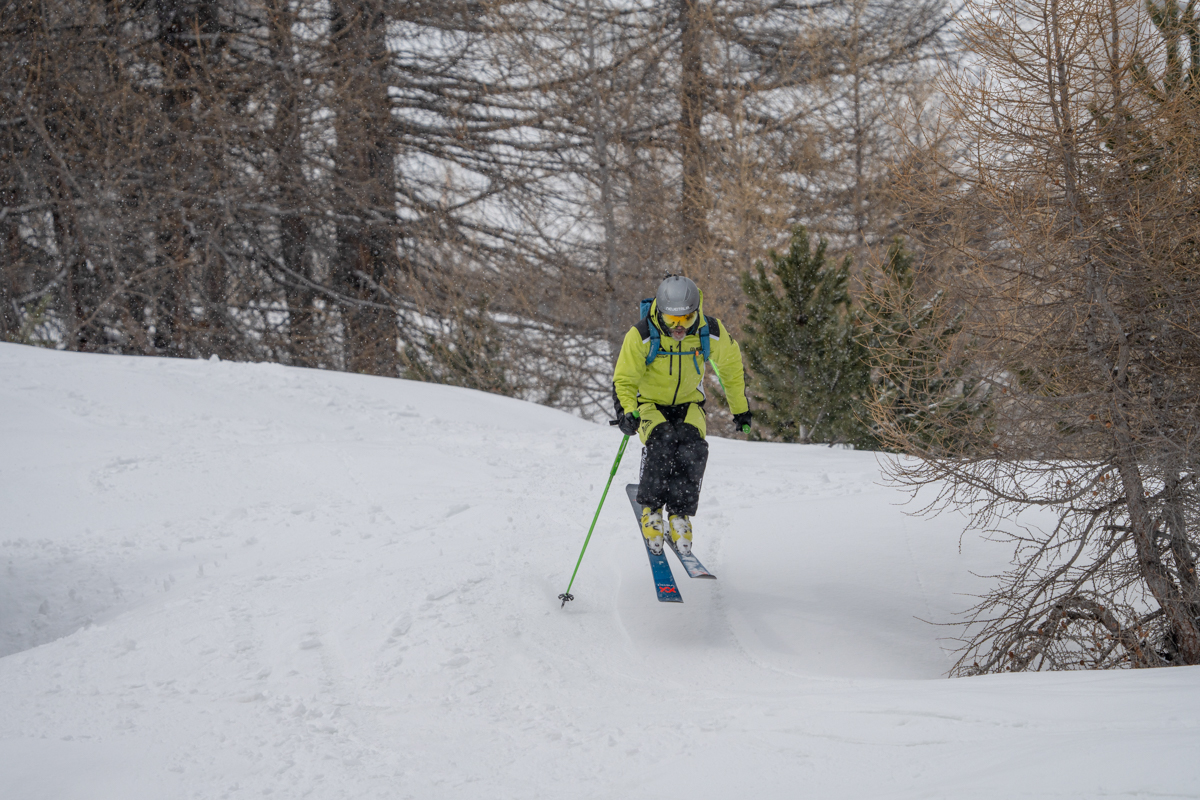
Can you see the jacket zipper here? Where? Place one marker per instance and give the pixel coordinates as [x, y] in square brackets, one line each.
[678, 380]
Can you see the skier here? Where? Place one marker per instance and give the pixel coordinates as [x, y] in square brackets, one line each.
[660, 397]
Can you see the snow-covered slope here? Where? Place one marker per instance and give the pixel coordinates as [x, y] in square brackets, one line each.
[234, 580]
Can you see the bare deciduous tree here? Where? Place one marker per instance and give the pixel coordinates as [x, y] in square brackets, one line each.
[326, 183]
[1073, 226]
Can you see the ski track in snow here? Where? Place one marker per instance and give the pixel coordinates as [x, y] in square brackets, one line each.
[236, 580]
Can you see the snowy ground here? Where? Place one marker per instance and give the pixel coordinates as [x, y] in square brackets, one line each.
[232, 580]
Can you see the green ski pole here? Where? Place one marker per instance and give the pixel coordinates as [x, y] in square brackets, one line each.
[565, 596]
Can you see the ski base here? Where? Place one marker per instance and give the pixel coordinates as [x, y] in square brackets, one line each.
[664, 581]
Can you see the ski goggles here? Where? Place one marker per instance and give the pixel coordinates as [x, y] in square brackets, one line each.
[679, 321]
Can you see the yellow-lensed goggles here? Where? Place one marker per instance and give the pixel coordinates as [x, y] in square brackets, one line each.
[677, 321]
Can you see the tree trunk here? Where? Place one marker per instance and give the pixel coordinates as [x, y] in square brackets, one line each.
[693, 200]
[366, 250]
[303, 340]
[612, 313]
[186, 29]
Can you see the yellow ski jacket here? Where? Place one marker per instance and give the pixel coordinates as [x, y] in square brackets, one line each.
[675, 377]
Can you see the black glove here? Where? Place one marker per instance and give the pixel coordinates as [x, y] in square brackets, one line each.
[742, 421]
[628, 424]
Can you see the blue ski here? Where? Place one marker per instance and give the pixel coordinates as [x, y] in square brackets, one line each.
[690, 563]
[664, 581]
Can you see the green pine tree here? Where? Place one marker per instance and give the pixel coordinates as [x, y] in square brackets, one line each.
[924, 397]
[811, 374]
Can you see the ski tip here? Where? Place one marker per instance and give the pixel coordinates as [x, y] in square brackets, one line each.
[565, 597]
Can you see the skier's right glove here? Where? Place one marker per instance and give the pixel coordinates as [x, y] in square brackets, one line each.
[628, 424]
[742, 421]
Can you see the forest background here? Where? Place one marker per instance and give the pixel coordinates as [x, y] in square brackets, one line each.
[474, 193]
[988, 214]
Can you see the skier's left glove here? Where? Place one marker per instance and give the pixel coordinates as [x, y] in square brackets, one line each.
[628, 424]
[742, 421]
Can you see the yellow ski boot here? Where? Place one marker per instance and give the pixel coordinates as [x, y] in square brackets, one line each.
[652, 528]
[681, 533]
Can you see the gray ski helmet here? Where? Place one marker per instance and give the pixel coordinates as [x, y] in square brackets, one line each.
[677, 296]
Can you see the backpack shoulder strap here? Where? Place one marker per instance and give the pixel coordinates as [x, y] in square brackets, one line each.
[648, 330]
[710, 324]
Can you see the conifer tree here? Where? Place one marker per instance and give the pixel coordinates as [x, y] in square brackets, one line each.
[810, 370]
[921, 387]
